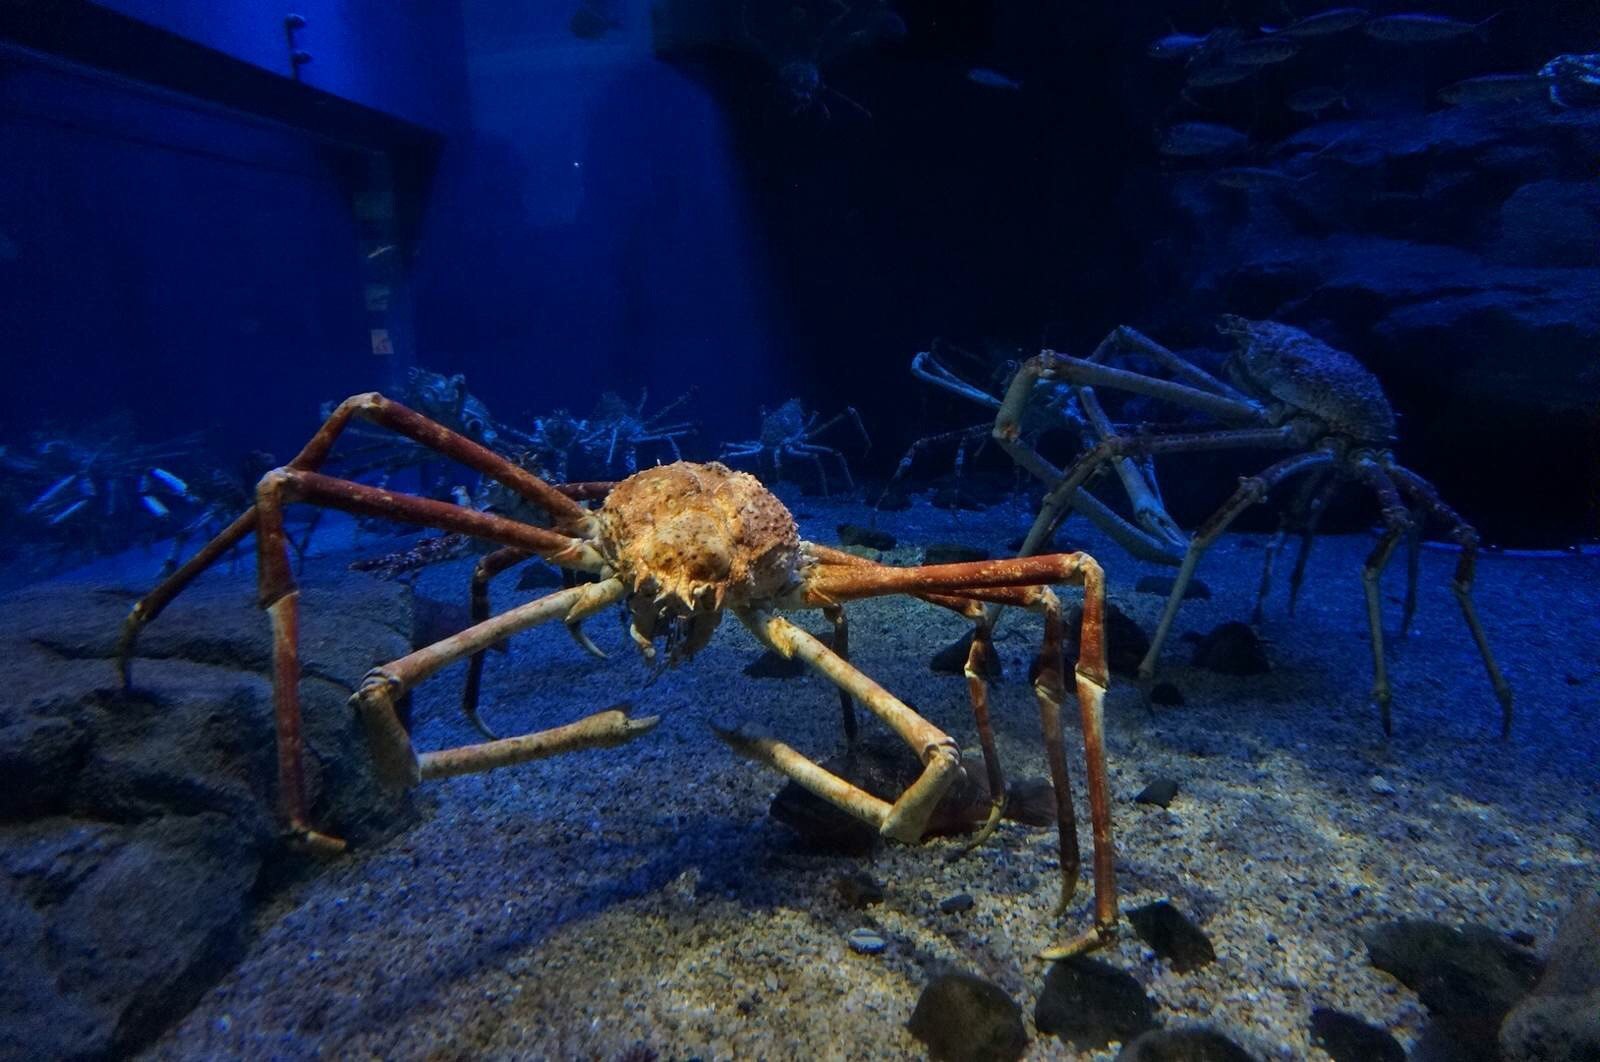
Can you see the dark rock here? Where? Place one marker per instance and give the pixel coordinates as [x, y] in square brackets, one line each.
[1126, 641]
[434, 621]
[961, 901]
[856, 535]
[858, 890]
[1468, 978]
[885, 766]
[1172, 936]
[1089, 1004]
[1347, 1038]
[1549, 223]
[1161, 585]
[141, 831]
[952, 553]
[952, 659]
[1560, 1020]
[1192, 1044]
[536, 575]
[1167, 695]
[1160, 792]
[895, 499]
[772, 664]
[964, 1018]
[1232, 648]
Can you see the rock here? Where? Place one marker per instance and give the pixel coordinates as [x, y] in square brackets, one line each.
[434, 621]
[138, 831]
[1167, 695]
[771, 664]
[1549, 224]
[1560, 1020]
[964, 1018]
[1126, 641]
[1347, 1038]
[952, 659]
[1160, 792]
[1231, 648]
[961, 901]
[952, 553]
[856, 535]
[1161, 585]
[1089, 1004]
[1380, 785]
[1172, 936]
[865, 941]
[858, 890]
[1468, 978]
[1190, 1044]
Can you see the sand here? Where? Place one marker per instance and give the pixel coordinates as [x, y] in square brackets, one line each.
[586, 905]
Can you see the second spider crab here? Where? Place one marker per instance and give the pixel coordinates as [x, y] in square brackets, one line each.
[1288, 391]
[677, 546]
[790, 433]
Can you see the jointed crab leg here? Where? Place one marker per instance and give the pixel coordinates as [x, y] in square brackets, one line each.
[1396, 522]
[907, 818]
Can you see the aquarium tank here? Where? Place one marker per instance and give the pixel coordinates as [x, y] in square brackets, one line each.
[637, 530]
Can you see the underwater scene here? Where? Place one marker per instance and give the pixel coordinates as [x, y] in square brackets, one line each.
[638, 530]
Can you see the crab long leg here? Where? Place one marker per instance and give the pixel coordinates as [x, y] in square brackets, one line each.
[397, 762]
[1251, 490]
[1125, 340]
[1031, 575]
[1395, 521]
[1308, 534]
[907, 818]
[486, 569]
[1309, 490]
[1461, 584]
[568, 514]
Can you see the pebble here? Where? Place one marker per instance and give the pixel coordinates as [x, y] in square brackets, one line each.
[1163, 584]
[1167, 695]
[952, 659]
[1380, 785]
[1089, 1004]
[964, 1018]
[866, 941]
[858, 890]
[1232, 648]
[1160, 792]
[961, 901]
[1192, 1044]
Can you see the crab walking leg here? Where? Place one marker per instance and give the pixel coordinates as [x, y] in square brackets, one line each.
[1301, 509]
[1251, 490]
[840, 643]
[1461, 583]
[1408, 610]
[976, 671]
[486, 569]
[1125, 340]
[1308, 535]
[907, 818]
[397, 762]
[1148, 511]
[1395, 521]
[568, 514]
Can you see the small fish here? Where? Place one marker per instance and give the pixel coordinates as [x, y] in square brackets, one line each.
[153, 505]
[1314, 101]
[1202, 139]
[1174, 46]
[1326, 23]
[1263, 51]
[1419, 28]
[170, 481]
[68, 511]
[1219, 74]
[1251, 177]
[982, 75]
[884, 767]
[51, 491]
[1494, 88]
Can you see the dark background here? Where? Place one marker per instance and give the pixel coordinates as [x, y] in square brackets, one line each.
[644, 210]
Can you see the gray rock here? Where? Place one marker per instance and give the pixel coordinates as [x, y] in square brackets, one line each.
[1347, 1038]
[1089, 1004]
[952, 659]
[1560, 1020]
[771, 664]
[1231, 648]
[137, 827]
[856, 535]
[1126, 641]
[1191, 1044]
[961, 901]
[1468, 978]
[1167, 695]
[1172, 936]
[964, 1018]
[1547, 224]
[952, 553]
[1162, 585]
[866, 941]
[1160, 792]
[858, 890]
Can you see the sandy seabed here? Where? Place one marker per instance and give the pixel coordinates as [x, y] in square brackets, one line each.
[584, 906]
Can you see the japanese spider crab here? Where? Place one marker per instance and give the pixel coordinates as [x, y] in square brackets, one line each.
[677, 545]
[1292, 392]
[790, 432]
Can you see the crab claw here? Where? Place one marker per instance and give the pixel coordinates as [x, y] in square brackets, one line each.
[576, 630]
